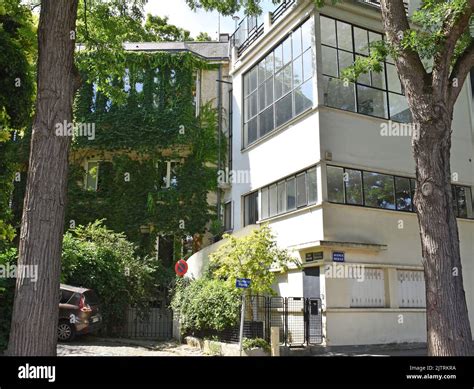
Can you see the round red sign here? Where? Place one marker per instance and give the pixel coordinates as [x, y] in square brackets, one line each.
[181, 267]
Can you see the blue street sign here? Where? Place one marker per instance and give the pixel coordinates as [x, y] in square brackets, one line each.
[242, 283]
[338, 256]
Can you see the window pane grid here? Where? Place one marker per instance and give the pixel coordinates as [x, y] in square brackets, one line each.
[295, 192]
[279, 74]
[376, 88]
[379, 190]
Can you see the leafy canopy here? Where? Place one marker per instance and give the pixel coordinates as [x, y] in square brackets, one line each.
[255, 256]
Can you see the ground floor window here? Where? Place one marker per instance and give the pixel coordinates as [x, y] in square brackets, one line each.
[411, 289]
[369, 292]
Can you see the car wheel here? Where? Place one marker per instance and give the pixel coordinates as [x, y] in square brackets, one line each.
[65, 331]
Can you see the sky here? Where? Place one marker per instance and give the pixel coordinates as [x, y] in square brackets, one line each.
[182, 16]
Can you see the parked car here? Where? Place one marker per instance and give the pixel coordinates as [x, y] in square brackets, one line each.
[79, 312]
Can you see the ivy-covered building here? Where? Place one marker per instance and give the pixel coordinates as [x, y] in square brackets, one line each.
[328, 165]
[146, 159]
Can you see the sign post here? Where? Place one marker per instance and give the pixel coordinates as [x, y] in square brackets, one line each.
[242, 283]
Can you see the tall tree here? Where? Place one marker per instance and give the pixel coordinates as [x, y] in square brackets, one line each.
[441, 35]
[431, 97]
[35, 309]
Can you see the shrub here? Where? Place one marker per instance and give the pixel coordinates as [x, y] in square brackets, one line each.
[7, 291]
[249, 344]
[205, 305]
[103, 260]
[252, 256]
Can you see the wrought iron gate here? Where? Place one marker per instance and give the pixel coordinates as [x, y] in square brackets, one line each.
[299, 319]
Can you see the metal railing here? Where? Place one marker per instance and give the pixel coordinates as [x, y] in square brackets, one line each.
[282, 8]
[251, 27]
[376, 3]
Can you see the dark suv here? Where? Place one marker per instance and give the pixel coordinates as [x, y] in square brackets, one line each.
[78, 312]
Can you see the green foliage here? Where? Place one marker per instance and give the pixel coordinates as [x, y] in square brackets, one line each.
[17, 47]
[137, 132]
[249, 344]
[205, 305]
[203, 37]
[103, 260]
[158, 29]
[7, 291]
[252, 256]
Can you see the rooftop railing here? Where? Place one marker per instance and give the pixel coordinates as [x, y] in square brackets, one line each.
[252, 27]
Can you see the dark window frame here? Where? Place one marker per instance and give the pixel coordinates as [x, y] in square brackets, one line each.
[394, 176]
[252, 219]
[354, 54]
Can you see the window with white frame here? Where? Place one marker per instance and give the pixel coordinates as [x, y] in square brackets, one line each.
[293, 192]
[280, 86]
[368, 291]
[168, 171]
[411, 289]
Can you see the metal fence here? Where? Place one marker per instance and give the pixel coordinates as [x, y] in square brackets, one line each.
[152, 323]
[299, 320]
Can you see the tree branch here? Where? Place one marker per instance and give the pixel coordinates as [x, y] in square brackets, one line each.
[461, 69]
[408, 62]
[452, 29]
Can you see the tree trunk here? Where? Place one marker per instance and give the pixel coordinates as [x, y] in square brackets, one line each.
[35, 309]
[448, 328]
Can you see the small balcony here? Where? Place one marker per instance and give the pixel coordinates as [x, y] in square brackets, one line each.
[252, 27]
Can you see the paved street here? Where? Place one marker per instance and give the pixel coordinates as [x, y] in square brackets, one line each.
[91, 346]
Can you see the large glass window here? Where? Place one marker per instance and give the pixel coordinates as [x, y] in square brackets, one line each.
[265, 203]
[371, 189]
[273, 200]
[377, 94]
[353, 186]
[293, 192]
[312, 186]
[379, 190]
[301, 195]
[335, 179]
[280, 86]
[403, 197]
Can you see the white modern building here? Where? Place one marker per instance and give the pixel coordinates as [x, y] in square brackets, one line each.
[328, 165]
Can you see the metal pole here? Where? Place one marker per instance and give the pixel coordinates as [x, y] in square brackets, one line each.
[242, 316]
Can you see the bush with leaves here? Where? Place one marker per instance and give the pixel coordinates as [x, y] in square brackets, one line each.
[212, 303]
[251, 343]
[255, 256]
[98, 258]
[7, 291]
[205, 305]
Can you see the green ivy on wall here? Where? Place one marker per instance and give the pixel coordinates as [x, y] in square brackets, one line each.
[142, 120]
